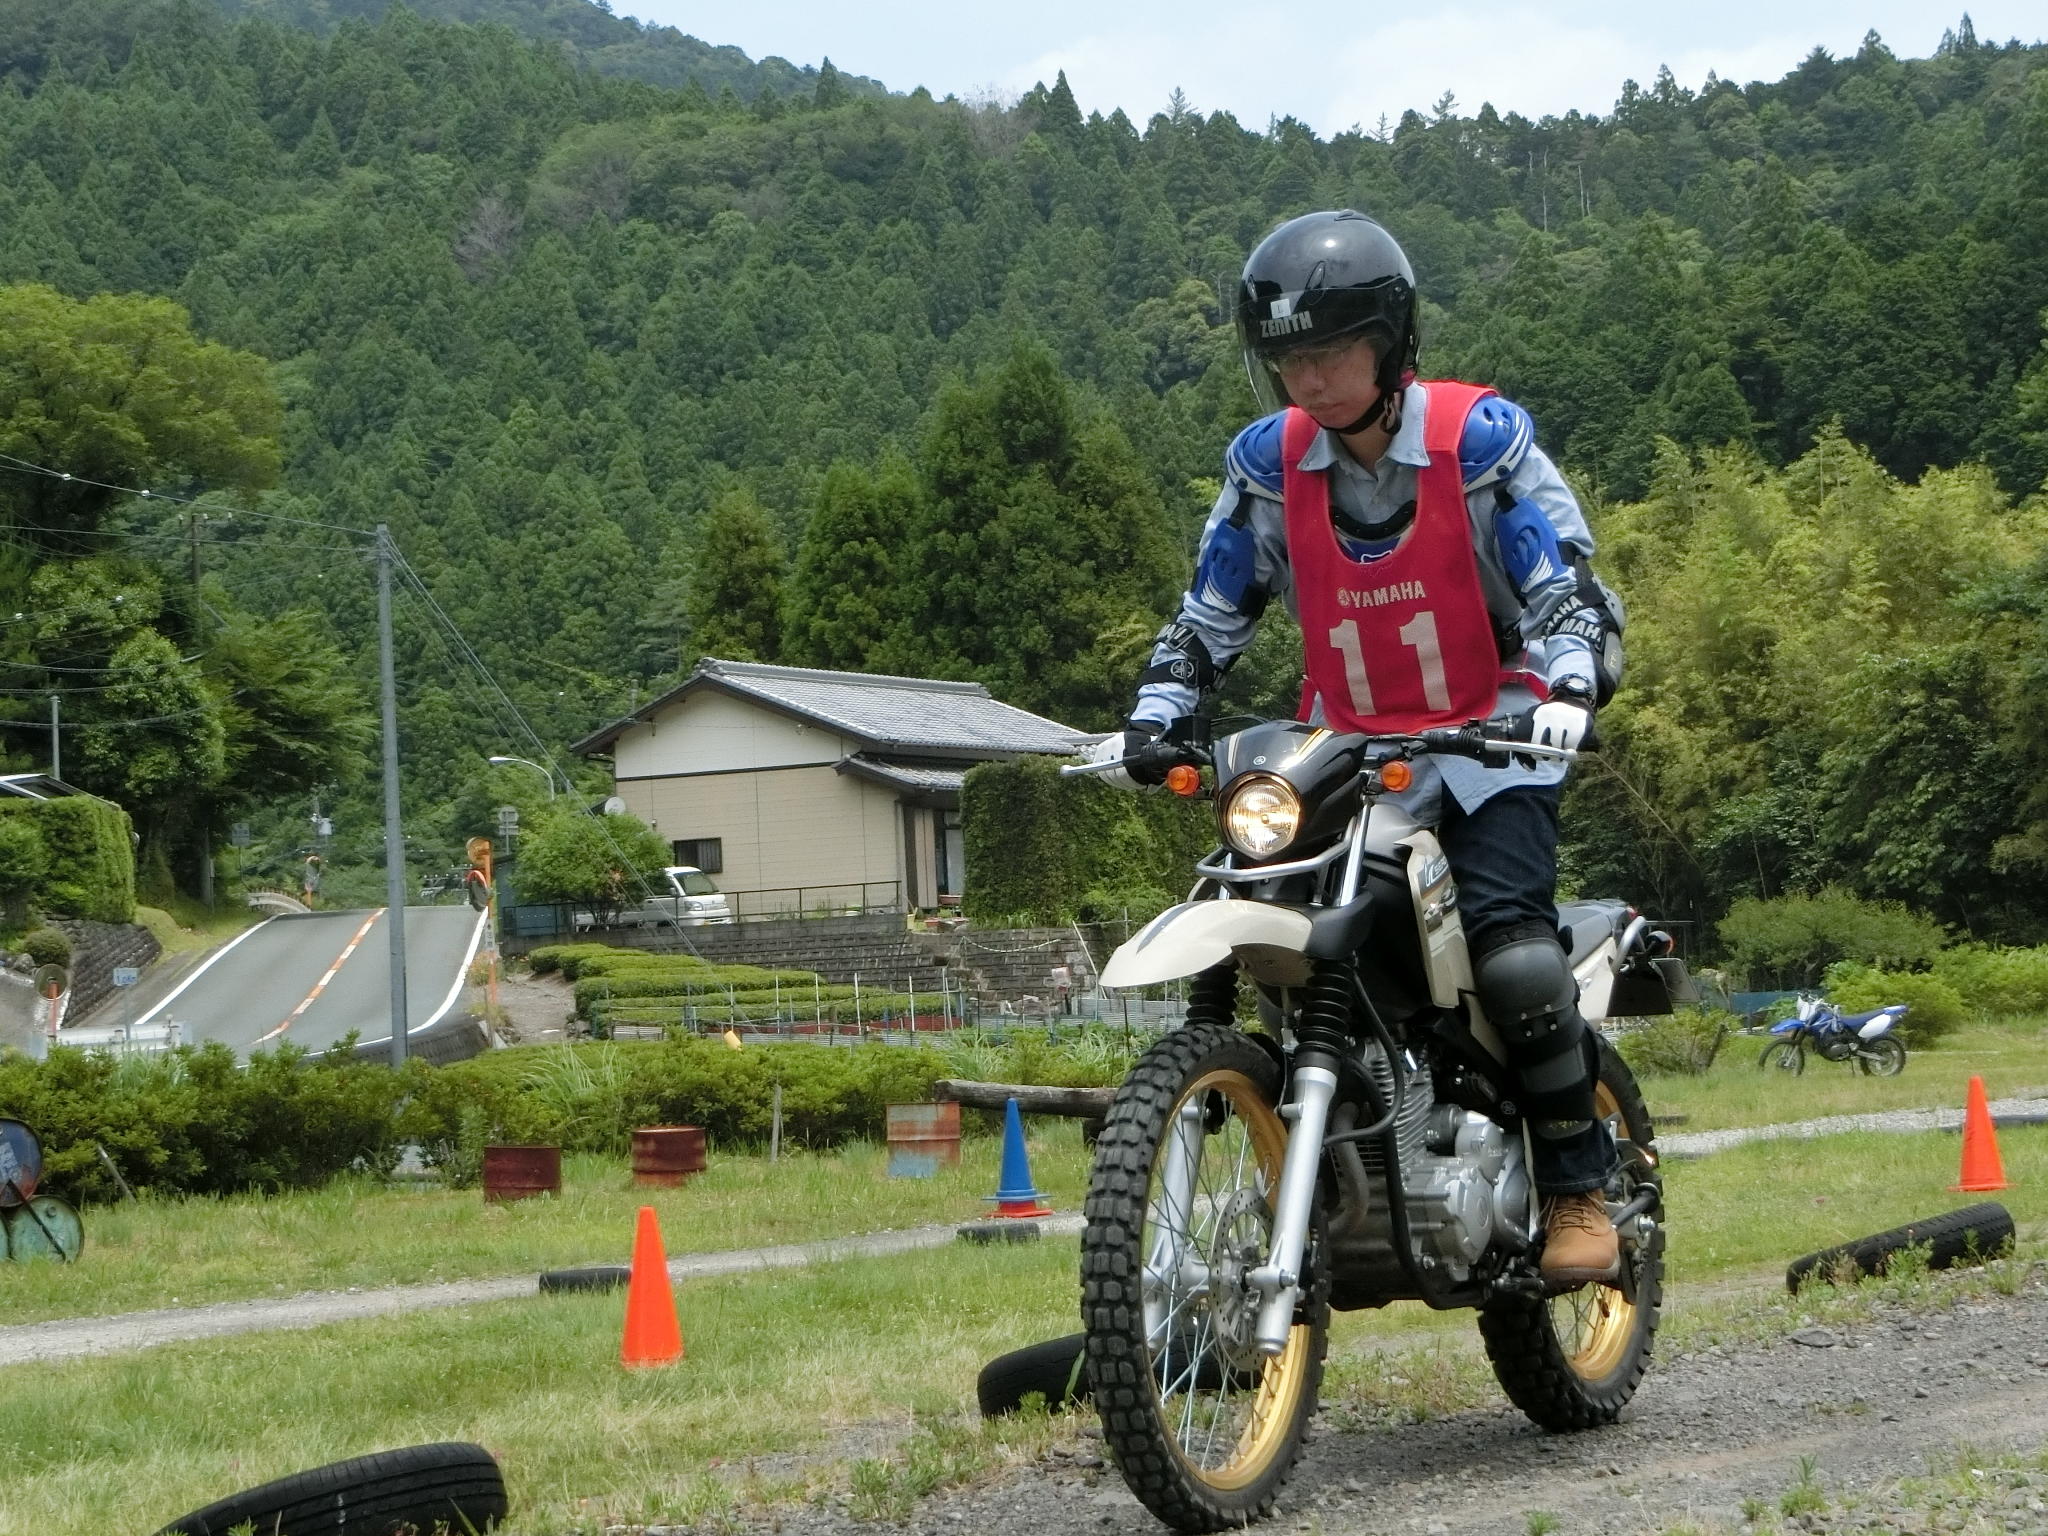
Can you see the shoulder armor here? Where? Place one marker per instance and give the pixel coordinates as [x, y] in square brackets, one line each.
[1253, 458]
[1498, 436]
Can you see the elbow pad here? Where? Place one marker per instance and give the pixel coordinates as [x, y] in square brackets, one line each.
[1593, 614]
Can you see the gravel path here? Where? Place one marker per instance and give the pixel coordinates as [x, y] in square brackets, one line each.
[1885, 1400]
[1698, 1143]
[68, 1337]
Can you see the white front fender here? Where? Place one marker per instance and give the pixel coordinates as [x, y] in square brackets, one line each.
[1187, 939]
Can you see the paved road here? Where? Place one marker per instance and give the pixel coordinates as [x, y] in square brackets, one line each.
[311, 978]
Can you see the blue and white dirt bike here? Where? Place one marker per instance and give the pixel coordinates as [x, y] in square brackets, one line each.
[1864, 1040]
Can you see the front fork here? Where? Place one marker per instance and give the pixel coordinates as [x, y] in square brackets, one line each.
[1278, 1281]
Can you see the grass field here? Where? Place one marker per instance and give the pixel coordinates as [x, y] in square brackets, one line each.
[848, 1380]
[2012, 1058]
[359, 1232]
[853, 1378]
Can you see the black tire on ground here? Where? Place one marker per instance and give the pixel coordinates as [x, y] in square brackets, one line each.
[1580, 1378]
[1966, 1236]
[1054, 1369]
[422, 1487]
[596, 1277]
[1786, 1056]
[1882, 1057]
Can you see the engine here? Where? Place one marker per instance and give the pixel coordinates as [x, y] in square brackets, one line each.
[1465, 1181]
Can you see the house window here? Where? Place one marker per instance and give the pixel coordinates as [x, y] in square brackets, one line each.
[705, 853]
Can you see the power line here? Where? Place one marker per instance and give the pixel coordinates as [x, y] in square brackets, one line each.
[24, 466]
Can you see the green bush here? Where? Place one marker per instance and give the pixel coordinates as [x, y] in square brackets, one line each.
[1788, 942]
[89, 852]
[24, 862]
[1996, 981]
[47, 946]
[1935, 1006]
[194, 1121]
[1681, 1044]
[589, 1097]
[1045, 850]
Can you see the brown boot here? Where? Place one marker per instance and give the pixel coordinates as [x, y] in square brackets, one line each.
[1579, 1244]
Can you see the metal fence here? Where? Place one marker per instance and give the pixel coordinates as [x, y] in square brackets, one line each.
[878, 1006]
[849, 899]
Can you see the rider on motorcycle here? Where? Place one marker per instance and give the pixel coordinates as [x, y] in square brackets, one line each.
[1437, 562]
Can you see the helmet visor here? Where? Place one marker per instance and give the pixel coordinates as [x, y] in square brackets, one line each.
[1275, 327]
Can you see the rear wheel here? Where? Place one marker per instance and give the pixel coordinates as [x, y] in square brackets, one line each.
[1203, 1426]
[1785, 1056]
[1882, 1057]
[1573, 1361]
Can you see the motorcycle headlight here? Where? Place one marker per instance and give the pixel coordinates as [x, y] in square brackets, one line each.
[1260, 817]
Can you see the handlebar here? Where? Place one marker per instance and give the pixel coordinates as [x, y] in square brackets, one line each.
[1160, 754]
[1503, 739]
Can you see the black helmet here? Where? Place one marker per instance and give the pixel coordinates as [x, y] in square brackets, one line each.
[1321, 278]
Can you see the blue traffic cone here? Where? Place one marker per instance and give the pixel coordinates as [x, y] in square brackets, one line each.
[1015, 1194]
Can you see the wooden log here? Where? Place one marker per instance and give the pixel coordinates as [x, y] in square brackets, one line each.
[1086, 1103]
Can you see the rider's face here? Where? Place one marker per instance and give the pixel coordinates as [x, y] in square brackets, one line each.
[1334, 384]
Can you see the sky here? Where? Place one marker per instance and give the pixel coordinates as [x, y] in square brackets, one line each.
[1535, 57]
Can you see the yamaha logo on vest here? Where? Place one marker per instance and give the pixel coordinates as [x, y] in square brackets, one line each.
[1376, 597]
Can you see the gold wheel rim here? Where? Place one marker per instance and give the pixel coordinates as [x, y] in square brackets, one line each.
[1238, 1459]
[1595, 1324]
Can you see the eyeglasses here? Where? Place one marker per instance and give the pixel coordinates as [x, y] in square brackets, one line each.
[1300, 360]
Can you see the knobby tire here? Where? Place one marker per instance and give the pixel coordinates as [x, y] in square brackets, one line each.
[1581, 1377]
[1155, 1395]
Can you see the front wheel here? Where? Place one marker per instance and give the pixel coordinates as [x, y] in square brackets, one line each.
[1882, 1057]
[1783, 1056]
[1573, 1361]
[1180, 1210]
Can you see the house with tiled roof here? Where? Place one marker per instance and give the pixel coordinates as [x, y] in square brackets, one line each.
[801, 789]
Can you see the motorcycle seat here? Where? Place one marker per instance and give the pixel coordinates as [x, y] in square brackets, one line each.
[1584, 924]
[1852, 1020]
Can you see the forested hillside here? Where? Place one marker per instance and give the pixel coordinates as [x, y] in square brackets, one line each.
[834, 377]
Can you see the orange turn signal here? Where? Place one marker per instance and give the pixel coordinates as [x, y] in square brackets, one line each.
[1184, 779]
[1396, 775]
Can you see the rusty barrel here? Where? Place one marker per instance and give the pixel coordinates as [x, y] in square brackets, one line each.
[923, 1138]
[667, 1154]
[518, 1173]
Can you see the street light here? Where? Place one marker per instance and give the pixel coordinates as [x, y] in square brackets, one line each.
[546, 773]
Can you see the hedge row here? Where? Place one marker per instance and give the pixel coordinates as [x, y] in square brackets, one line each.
[88, 856]
[1044, 850]
[584, 962]
[194, 1122]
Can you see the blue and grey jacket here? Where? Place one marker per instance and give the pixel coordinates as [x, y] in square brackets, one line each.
[1528, 533]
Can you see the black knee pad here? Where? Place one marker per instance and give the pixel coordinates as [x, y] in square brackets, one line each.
[1526, 986]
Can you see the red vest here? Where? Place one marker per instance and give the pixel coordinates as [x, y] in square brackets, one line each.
[1405, 642]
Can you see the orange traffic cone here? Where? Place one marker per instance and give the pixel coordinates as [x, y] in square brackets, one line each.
[653, 1336]
[1982, 1167]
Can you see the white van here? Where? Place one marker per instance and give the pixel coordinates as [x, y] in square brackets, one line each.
[683, 895]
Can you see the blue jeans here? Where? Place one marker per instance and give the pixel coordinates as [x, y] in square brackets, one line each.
[1504, 858]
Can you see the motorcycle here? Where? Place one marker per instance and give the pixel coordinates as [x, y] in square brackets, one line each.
[1864, 1040]
[1361, 1147]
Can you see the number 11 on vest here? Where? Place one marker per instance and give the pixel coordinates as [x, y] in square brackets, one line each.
[1419, 634]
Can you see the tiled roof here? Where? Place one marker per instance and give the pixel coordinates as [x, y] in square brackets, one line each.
[899, 714]
[918, 778]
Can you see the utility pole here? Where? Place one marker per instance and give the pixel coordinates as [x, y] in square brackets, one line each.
[192, 531]
[56, 752]
[394, 835]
